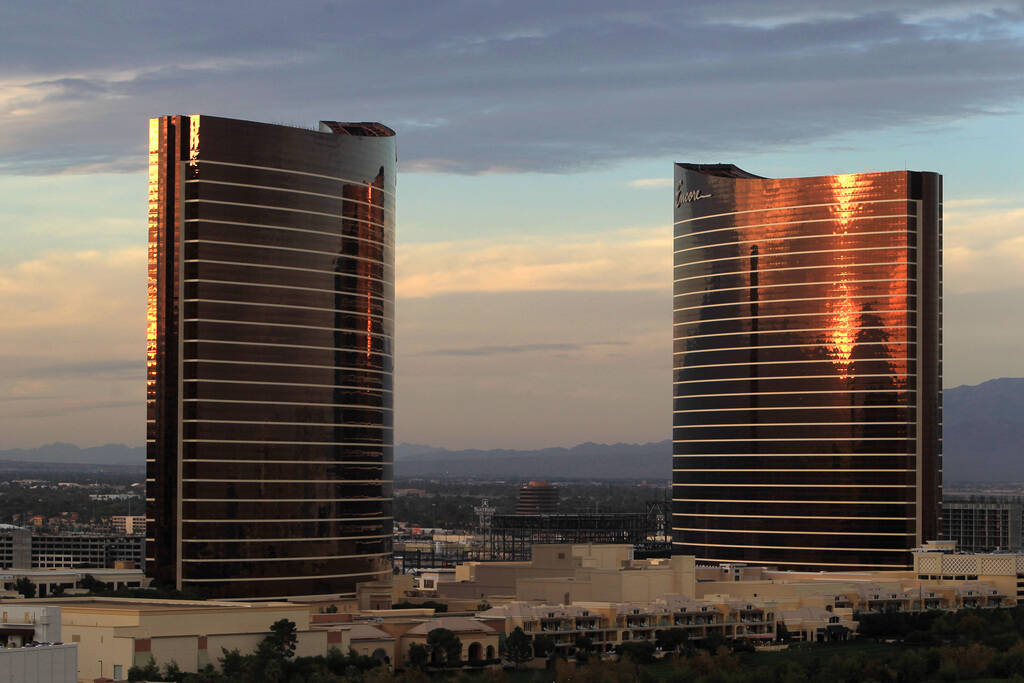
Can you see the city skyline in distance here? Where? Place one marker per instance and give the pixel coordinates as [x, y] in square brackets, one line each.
[532, 225]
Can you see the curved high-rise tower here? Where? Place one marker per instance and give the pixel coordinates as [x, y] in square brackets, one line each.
[270, 330]
[807, 366]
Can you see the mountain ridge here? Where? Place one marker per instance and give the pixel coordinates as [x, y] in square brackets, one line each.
[983, 437]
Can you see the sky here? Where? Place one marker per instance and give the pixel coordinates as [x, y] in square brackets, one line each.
[535, 142]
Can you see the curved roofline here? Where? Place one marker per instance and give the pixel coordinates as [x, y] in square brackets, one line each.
[720, 170]
[369, 129]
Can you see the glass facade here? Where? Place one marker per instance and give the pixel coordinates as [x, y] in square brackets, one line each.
[269, 354]
[807, 367]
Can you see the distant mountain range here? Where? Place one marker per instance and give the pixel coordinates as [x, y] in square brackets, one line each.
[983, 442]
[983, 432]
[650, 461]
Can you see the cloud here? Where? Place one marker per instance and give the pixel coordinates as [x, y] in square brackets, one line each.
[536, 368]
[983, 248]
[651, 183]
[629, 259]
[523, 86]
[72, 342]
[521, 348]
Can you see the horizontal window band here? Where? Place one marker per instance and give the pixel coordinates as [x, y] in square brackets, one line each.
[798, 502]
[368, 499]
[795, 206]
[815, 345]
[288, 365]
[284, 384]
[849, 375]
[289, 403]
[853, 517]
[348, 181]
[793, 455]
[772, 316]
[787, 254]
[799, 486]
[289, 325]
[289, 519]
[802, 547]
[280, 559]
[335, 292]
[268, 442]
[283, 540]
[832, 361]
[261, 461]
[290, 481]
[388, 230]
[333, 254]
[816, 564]
[790, 424]
[277, 267]
[731, 243]
[266, 207]
[762, 271]
[819, 407]
[794, 284]
[799, 393]
[239, 580]
[289, 190]
[796, 331]
[300, 424]
[294, 443]
[814, 533]
[770, 302]
[260, 304]
[287, 346]
[757, 469]
[802, 439]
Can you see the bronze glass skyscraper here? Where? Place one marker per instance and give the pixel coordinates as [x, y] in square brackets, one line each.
[270, 327]
[807, 365]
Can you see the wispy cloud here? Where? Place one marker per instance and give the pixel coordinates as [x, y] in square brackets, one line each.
[633, 259]
[983, 248]
[521, 348]
[481, 88]
[648, 183]
[72, 342]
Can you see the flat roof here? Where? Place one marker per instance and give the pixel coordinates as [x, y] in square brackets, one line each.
[153, 605]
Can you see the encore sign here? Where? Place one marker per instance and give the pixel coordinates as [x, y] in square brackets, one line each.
[683, 197]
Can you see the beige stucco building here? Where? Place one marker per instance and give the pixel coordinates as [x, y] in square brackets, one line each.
[608, 624]
[567, 573]
[114, 634]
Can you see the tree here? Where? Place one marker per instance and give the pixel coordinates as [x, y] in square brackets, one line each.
[232, 663]
[518, 647]
[584, 646]
[283, 637]
[91, 584]
[419, 656]
[640, 651]
[543, 645]
[713, 641]
[671, 639]
[25, 586]
[445, 647]
[172, 672]
[150, 672]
